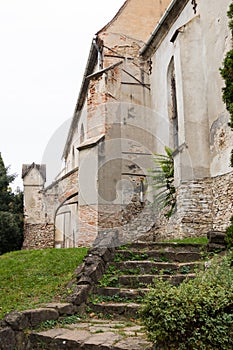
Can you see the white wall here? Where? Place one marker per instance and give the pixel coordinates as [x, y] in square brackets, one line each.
[198, 52]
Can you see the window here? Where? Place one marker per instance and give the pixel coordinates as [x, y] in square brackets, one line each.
[82, 134]
[172, 106]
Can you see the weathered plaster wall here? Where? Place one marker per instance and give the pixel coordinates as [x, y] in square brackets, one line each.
[217, 41]
[199, 47]
[116, 109]
[33, 199]
[197, 42]
[135, 20]
[126, 117]
[108, 110]
[38, 230]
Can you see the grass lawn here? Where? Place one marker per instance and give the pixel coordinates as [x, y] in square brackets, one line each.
[31, 278]
[190, 240]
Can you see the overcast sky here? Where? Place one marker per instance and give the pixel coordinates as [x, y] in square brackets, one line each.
[44, 50]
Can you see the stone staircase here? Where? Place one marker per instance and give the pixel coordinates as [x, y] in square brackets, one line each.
[111, 315]
[135, 267]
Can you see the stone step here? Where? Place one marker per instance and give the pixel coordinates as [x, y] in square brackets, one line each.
[132, 294]
[92, 335]
[152, 267]
[135, 281]
[165, 246]
[121, 309]
[155, 255]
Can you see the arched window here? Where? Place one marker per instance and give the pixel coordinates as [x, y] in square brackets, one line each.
[172, 105]
[82, 134]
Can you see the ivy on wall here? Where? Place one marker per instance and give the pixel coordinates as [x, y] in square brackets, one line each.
[227, 74]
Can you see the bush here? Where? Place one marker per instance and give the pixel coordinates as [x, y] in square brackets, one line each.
[227, 74]
[11, 213]
[229, 235]
[196, 315]
[11, 237]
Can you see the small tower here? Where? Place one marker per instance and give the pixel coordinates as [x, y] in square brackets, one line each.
[38, 232]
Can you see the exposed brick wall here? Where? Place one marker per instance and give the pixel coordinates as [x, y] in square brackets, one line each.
[88, 221]
[62, 189]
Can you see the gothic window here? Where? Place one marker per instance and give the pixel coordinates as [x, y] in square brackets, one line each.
[172, 106]
[82, 134]
[73, 157]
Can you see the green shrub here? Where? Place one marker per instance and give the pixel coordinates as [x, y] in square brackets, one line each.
[229, 235]
[196, 315]
[227, 74]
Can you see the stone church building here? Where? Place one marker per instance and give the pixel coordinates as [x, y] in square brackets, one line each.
[151, 80]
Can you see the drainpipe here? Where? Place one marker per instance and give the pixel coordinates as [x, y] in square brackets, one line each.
[99, 50]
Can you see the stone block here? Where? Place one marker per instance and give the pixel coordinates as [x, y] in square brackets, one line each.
[3, 323]
[107, 238]
[62, 308]
[213, 247]
[133, 343]
[37, 342]
[79, 269]
[105, 253]
[217, 237]
[7, 339]
[17, 320]
[102, 341]
[37, 316]
[95, 271]
[216, 241]
[91, 260]
[84, 280]
[22, 342]
[80, 295]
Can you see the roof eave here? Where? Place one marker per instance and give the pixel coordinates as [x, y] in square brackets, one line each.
[91, 62]
[165, 23]
[114, 18]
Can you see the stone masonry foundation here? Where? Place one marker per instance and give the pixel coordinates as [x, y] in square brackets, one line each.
[38, 236]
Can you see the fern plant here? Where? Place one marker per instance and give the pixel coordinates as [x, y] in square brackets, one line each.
[162, 178]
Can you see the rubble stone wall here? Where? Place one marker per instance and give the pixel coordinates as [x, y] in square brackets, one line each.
[38, 236]
[222, 201]
[202, 206]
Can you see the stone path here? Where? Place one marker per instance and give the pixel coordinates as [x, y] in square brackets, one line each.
[93, 334]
